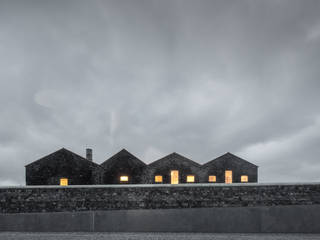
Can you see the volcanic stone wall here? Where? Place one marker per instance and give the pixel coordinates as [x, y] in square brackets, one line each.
[111, 197]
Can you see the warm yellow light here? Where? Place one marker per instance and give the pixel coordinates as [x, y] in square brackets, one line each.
[63, 181]
[124, 178]
[228, 176]
[174, 177]
[158, 178]
[212, 178]
[244, 178]
[190, 178]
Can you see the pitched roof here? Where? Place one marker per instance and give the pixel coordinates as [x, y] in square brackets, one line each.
[227, 157]
[120, 156]
[66, 152]
[175, 157]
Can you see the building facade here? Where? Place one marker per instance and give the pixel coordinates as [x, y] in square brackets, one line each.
[229, 168]
[173, 168]
[64, 167]
[123, 167]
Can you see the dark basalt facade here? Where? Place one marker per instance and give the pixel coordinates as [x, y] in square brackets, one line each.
[64, 167]
[166, 167]
[123, 164]
[63, 164]
[237, 168]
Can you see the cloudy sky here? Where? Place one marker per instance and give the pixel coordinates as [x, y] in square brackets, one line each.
[200, 78]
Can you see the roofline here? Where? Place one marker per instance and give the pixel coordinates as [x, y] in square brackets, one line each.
[123, 149]
[217, 158]
[81, 158]
[198, 165]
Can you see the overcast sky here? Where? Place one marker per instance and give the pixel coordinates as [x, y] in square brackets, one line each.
[200, 78]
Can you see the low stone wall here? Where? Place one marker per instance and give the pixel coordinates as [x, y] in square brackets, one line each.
[124, 197]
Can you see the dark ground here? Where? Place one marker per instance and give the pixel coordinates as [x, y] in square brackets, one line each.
[153, 236]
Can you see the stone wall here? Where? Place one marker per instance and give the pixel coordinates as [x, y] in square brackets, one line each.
[116, 197]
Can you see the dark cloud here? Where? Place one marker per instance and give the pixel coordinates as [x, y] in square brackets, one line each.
[196, 77]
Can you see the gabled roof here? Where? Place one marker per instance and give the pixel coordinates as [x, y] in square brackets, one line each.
[227, 157]
[65, 152]
[123, 155]
[175, 157]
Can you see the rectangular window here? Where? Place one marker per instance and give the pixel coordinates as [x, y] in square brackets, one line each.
[174, 177]
[212, 178]
[228, 176]
[158, 179]
[63, 181]
[124, 178]
[190, 178]
[244, 178]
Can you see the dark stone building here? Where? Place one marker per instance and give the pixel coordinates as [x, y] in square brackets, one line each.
[64, 167]
[123, 167]
[67, 168]
[229, 168]
[173, 169]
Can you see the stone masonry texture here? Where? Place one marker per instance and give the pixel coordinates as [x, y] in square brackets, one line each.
[83, 198]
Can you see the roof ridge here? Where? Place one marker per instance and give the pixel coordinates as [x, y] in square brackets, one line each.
[224, 155]
[63, 149]
[110, 160]
[177, 154]
[81, 157]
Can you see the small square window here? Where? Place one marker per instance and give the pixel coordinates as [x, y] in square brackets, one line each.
[158, 179]
[124, 178]
[190, 178]
[244, 178]
[212, 178]
[63, 181]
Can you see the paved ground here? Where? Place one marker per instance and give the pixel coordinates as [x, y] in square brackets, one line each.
[154, 236]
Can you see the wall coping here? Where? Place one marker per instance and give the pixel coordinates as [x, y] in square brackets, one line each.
[167, 185]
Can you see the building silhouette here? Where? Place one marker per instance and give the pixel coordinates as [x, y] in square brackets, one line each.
[64, 167]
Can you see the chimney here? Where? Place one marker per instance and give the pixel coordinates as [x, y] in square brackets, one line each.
[89, 154]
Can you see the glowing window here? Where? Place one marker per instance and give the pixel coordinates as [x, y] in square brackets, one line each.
[244, 178]
[212, 178]
[124, 178]
[158, 178]
[63, 181]
[174, 177]
[228, 176]
[190, 178]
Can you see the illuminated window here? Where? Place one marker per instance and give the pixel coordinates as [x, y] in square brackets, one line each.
[124, 178]
[228, 176]
[158, 178]
[174, 177]
[190, 178]
[212, 178]
[63, 181]
[244, 178]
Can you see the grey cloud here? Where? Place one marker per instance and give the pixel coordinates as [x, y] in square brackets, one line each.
[196, 77]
